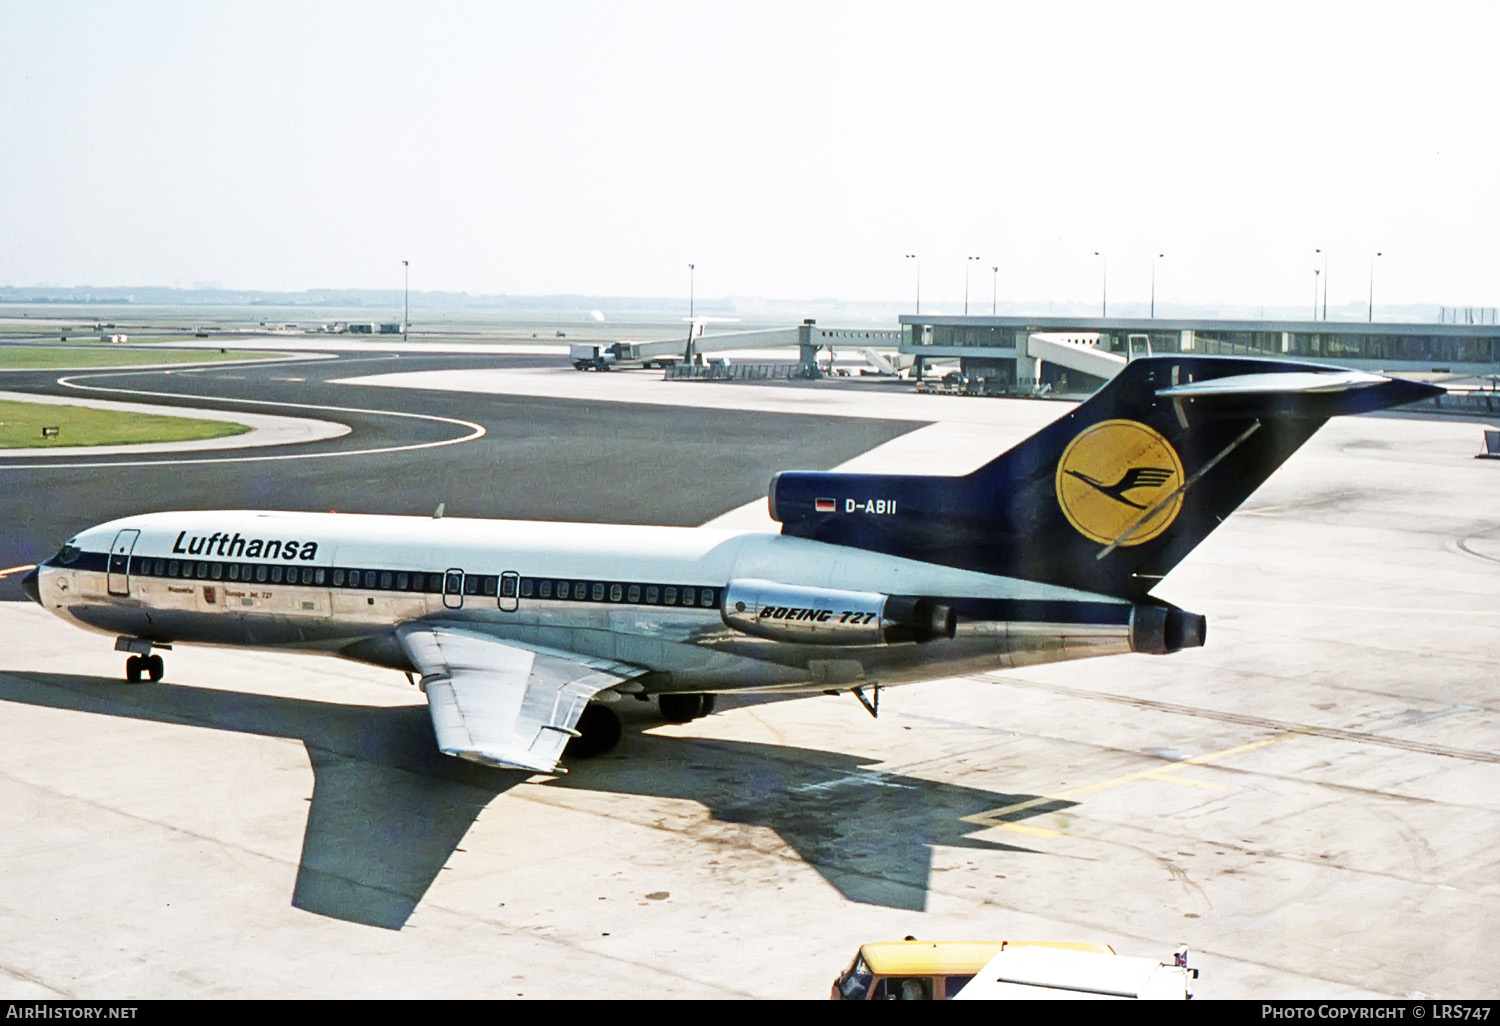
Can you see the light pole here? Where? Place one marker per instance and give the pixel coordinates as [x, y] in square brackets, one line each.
[406, 305]
[994, 289]
[913, 256]
[1103, 284]
[1370, 316]
[1316, 272]
[689, 356]
[966, 284]
[1153, 282]
[1325, 287]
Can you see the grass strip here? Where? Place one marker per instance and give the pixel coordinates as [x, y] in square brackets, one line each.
[21, 427]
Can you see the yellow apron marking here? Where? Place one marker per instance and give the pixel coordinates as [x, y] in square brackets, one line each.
[1023, 828]
[999, 817]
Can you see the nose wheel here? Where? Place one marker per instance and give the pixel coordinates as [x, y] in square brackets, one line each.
[149, 666]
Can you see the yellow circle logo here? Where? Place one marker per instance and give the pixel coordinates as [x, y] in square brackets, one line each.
[1112, 480]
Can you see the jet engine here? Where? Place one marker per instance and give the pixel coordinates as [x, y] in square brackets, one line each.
[827, 616]
[1162, 630]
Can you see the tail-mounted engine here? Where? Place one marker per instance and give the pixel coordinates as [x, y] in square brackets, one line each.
[826, 616]
[1163, 629]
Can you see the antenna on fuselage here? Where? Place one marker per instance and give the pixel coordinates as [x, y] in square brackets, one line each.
[437, 514]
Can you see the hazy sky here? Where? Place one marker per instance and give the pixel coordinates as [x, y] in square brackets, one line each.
[793, 150]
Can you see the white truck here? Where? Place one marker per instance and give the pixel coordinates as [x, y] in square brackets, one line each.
[1053, 972]
[603, 356]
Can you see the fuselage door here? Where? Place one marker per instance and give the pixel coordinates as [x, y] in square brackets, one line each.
[509, 590]
[453, 589]
[119, 562]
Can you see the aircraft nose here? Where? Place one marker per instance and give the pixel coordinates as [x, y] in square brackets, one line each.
[30, 587]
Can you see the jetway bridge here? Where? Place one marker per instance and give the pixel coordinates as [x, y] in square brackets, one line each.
[1027, 353]
[879, 346]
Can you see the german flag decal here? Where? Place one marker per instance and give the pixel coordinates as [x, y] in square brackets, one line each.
[1112, 480]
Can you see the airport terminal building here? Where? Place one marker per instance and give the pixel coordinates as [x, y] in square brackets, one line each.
[1077, 353]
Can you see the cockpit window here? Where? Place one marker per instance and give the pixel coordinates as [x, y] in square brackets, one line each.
[67, 555]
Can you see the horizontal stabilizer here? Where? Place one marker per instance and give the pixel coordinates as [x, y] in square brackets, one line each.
[1276, 384]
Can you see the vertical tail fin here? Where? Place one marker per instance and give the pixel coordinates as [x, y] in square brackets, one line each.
[1109, 497]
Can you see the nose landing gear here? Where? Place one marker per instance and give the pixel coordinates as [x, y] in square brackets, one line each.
[142, 663]
[150, 666]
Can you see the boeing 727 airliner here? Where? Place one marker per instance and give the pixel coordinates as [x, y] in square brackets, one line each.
[524, 633]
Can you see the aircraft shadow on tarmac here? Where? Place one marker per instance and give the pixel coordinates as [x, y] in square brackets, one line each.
[388, 810]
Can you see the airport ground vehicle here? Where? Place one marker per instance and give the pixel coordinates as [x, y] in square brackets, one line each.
[1052, 972]
[605, 356]
[913, 970]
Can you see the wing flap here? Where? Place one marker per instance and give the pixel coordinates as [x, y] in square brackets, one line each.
[501, 704]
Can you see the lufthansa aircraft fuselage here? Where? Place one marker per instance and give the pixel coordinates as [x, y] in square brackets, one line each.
[704, 610]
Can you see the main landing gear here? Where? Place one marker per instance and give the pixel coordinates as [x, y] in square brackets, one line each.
[680, 708]
[599, 727]
[598, 732]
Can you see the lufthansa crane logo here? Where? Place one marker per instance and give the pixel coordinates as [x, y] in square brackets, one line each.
[1112, 480]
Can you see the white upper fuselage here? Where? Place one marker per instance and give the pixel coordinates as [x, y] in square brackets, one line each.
[650, 597]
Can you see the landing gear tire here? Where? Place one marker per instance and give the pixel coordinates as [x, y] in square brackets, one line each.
[684, 708]
[148, 666]
[598, 732]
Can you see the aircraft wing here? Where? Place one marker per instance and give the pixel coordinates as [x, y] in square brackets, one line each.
[502, 704]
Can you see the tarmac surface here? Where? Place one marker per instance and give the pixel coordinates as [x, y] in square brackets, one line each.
[1310, 801]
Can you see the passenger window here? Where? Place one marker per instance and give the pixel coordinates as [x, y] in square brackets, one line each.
[321, 575]
[689, 597]
[669, 596]
[471, 584]
[562, 589]
[234, 571]
[338, 578]
[707, 598]
[545, 589]
[276, 572]
[526, 587]
[490, 583]
[246, 572]
[385, 580]
[217, 571]
[400, 582]
[598, 594]
[202, 571]
[652, 594]
[260, 573]
[616, 592]
[634, 594]
[161, 568]
[370, 579]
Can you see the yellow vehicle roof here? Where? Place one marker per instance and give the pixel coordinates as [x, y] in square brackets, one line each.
[952, 958]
